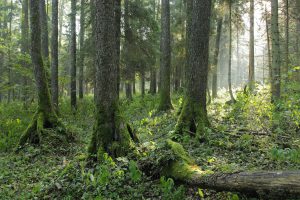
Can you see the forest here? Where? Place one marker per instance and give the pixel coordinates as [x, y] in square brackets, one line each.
[150, 99]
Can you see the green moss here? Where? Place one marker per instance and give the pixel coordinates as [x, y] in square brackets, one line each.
[183, 167]
[192, 119]
[180, 152]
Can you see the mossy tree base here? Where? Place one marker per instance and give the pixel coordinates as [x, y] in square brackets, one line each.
[192, 119]
[271, 184]
[41, 123]
[116, 142]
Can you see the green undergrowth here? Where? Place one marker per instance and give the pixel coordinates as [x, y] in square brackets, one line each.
[252, 134]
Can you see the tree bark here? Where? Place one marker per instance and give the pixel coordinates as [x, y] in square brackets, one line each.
[153, 79]
[230, 54]
[216, 59]
[61, 20]
[54, 54]
[287, 22]
[82, 50]
[251, 77]
[276, 60]
[269, 46]
[25, 44]
[165, 60]
[107, 136]
[127, 43]
[142, 83]
[118, 14]
[193, 117]
[44, 34]
[73, 55]
[153, 82]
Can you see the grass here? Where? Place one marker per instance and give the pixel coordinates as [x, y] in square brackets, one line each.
[244, 136]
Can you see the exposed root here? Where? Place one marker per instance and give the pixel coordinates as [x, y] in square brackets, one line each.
[44, 129]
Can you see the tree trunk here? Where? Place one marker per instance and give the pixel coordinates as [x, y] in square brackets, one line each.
[45, 116]
[54, 54]
[133, 85]
[81, 45]
[298, 33]
[276, 61]
[118, 14]
[269, 47]
[251, 78]
[128, 71]
[61, 20]
[73, 54]
[165, 60]
[153, 73]
[193, 117]
[142, 83]
[216, 59]
[287, 22]
[44, 34]
[107, 135]
[263, 184]
[128, 90]
[153, 83]
[230, 54]
[25, 44]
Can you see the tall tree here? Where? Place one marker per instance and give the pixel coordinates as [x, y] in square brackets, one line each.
[216, 59]
[118, 14]
[73, 54]
[251, 76]
[298, 30]
[54, 54]
[165, 60]
[10, 79]
[106, 135]
[230, 52]
[276, 60]
[45, 116]
[25, 41]
[81, 45]
[153, 80]
[44, 33]
[128, 37]
[193, 117]
[287, 22]
[61, 20]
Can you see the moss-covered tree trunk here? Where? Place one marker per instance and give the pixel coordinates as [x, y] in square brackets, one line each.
[45, 116]
[193, 117]
[165, 60]
[107, 136]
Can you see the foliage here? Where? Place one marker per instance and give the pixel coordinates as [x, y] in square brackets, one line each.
[231, 145]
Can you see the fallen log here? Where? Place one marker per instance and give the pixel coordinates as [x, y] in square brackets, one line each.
[271, 184]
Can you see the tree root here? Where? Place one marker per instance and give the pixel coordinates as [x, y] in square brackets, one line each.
[42, 127]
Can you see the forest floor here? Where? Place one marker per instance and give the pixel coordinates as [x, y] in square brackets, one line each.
[246, 136]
